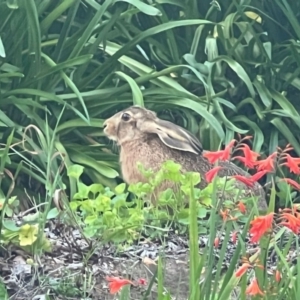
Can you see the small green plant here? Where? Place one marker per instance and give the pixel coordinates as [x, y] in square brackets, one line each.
[113, 216]
[104, 212]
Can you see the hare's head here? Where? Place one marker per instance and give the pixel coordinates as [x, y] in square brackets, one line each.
[136, 123]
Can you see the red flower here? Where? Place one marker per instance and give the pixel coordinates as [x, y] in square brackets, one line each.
[259, 226]
[253, 289]
[292, 163]
[259, 175]
[247, 163]
[250, 157]
[116, 283]
[246, 180]
[242, 207]
[210, 175]
[249, 181]
[234, 237]
[266, 164]
[291, 222]
[277, 276]
[216, 242]
[242, 269]
[142, 281]
[292, 183]
[222, 154]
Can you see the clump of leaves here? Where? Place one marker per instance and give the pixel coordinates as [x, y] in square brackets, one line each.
[113, 216]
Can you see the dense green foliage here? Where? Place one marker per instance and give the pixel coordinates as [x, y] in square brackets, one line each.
[213, 67]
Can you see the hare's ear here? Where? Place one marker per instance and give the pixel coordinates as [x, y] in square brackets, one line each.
[171, 135]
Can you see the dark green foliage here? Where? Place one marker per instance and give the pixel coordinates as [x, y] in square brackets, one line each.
[215, 68]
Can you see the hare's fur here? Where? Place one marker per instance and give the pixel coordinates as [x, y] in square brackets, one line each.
[146, 139]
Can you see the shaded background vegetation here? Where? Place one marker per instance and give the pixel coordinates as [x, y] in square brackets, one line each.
[216, 68]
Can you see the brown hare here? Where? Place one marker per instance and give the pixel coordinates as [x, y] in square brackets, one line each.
[145, 138]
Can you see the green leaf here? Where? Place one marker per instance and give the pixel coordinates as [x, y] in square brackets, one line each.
[54, 68]
[226, 122]
[54, 14]
[11, 225]
[2, 49]
[286, 132]
[136, 92]
[120, 189]
[239, 70]
[53, 213]
[140, 37]
[263, 92]
[35, 34]
[75, 171]
[257, 132]
[99, 166]
[71, 85]
[213, 122]
[143, 7]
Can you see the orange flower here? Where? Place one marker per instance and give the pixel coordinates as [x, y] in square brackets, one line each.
[242, 207]
[291, 222]
[224, 214]
[250, 157]
[210, 175]
[242, 269]
[292, 163]
[292, 183]
[259, 226]
[222, 154]
[266, 164]
[116, 283]
[253, 289]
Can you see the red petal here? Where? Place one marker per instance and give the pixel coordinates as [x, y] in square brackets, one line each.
[247, 181]
[210, 175]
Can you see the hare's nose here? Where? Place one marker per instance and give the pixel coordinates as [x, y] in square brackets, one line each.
[104, 125]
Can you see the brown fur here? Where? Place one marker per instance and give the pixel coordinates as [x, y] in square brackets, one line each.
[141, 140]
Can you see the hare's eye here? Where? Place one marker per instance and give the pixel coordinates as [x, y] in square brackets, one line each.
[125, 117]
